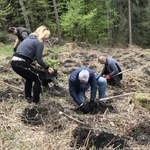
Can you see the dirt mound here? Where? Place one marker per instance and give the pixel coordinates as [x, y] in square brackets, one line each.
[86, 137]
[141, 132]
[105, 140]
[44, 114]
[99, 107]
[56, 90]
[8, 93]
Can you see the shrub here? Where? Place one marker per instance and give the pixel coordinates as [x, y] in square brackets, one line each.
[3, 38]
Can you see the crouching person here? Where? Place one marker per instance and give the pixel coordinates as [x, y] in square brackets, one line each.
[80, 81]
[110, 70]
[30, 49]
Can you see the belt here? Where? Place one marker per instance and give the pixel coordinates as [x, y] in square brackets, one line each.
[15, 58]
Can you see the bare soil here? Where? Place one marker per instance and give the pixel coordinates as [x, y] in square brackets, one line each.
[118, 124]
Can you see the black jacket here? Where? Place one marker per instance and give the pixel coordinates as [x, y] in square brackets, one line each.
[22, 33]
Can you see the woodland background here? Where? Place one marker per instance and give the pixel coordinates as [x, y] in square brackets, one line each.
[109, 22]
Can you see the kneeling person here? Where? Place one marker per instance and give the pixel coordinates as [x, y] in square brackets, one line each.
[80, 81]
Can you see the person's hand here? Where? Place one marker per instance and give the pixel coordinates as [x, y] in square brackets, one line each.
[15, 48]
[38, 66]
[84, 108]
[92, 105]
[107, 77]
[50, 70]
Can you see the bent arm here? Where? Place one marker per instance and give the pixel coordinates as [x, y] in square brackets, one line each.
[73, 92]
[39, 59]
[24, 35]
[114, 70]
[93, 84]
[17, 42]
[103, 71]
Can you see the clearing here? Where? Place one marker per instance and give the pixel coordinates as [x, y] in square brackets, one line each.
[119, 124]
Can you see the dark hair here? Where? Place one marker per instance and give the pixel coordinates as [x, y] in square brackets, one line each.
[11, 29]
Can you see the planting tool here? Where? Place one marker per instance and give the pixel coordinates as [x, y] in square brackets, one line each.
[112, 97]
[122, 72]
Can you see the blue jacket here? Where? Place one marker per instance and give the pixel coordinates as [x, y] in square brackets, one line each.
[74, 84]
[111, 68]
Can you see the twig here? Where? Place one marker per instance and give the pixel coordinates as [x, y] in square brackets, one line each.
[105, 111]
[87, 139]
[2, 143]
[62, 113]
[12, 143]
[11, 86]
[110, 142]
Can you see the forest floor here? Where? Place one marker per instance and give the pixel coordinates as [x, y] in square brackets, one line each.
[118, 124]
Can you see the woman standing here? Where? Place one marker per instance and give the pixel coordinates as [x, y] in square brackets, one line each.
[29, 50]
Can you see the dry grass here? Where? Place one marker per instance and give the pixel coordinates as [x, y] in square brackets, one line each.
[128, 121]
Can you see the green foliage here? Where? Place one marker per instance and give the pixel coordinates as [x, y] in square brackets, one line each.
[86, 25]
[57, 49]
[5, 10]
[3, 38]
[141, 25]
[39, 14]
[52, 63]
[98, 21]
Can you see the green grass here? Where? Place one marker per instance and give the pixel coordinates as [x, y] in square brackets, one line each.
[143, 99]
[58, 49]
[6, 50]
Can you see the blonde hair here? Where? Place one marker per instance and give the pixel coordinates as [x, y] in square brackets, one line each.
[42, 32]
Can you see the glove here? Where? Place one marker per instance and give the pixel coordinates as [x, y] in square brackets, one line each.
[92, 105]
[107, 77]
[15, 48]
[85, 108]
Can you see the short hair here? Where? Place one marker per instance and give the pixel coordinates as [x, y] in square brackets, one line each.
[102, 59]
[11, 29]
[42, 32]
[84, 75]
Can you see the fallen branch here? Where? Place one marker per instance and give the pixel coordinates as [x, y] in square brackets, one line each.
[62, 113]
[86, 143]
[11, 86]
[112, 97]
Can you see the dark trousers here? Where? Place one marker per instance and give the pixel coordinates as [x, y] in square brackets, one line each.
[28, 72]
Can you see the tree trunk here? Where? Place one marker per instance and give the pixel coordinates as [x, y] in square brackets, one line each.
[109, 29]
[57, 23]
[130, 23]
[25, 14]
